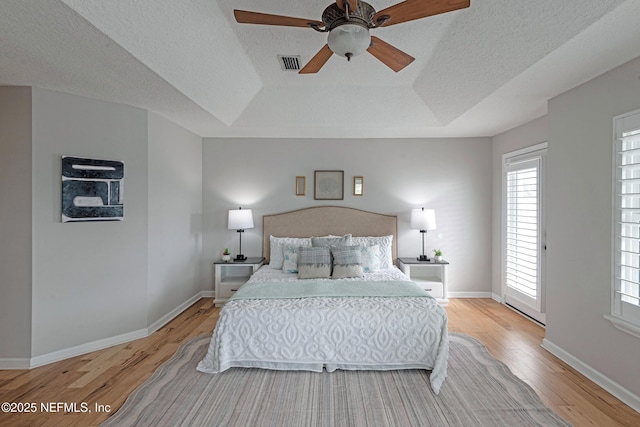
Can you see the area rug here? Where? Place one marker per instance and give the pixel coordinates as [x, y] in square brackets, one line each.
[479, 391]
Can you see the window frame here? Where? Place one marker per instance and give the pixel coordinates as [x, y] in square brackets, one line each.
[624, 316]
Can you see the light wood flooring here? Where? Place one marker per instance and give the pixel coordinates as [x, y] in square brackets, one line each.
[107, 377]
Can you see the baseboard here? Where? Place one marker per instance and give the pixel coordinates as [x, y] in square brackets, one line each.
[173, 313]
[468, 294]
[78, 350]
[56, 356]
[603, 381]
[496, 298]
[14, 363]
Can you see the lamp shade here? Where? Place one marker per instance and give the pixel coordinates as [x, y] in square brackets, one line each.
[349, 40]
[240, 219]
[423, 219]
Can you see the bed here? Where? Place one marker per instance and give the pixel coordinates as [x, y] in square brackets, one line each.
[367, 315]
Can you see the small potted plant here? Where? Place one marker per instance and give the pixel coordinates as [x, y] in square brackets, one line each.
[438, 254]
[226, 255]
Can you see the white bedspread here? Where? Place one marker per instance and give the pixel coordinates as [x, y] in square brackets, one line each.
[372, 333]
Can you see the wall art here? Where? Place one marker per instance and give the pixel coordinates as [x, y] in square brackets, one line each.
[329, 185]
[92, 190]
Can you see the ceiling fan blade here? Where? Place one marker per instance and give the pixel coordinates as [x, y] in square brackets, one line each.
[391, 56]
[317, 61]
[247, 17]
[353, 4]
[410, 10]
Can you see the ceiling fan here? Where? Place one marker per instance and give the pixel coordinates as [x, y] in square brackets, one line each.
[348, 23]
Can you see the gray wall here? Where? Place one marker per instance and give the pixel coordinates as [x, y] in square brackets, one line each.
[15, 227]
[452, 176]
[89, 279]
[175, 216]
[579, 224]
[527, 135]
[74, 287]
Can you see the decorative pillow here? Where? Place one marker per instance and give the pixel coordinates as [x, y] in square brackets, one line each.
[290, 253]
[370, 258]
[314, 263]
[384, 243]
[276, 244]
[347, 262]
[331, 241]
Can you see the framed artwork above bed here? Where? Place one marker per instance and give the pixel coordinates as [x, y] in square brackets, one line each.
[328, 185]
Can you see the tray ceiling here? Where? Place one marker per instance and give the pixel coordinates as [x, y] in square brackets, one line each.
[478, 71]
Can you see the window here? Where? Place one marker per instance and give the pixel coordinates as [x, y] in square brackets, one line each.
[625, 299]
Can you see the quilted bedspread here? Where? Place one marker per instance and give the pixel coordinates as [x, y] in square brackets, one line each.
[332, 332]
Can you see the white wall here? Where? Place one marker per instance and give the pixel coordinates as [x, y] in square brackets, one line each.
[579, 224]
[175, 216]
[15, 226]
[452, 176]
[529, 134]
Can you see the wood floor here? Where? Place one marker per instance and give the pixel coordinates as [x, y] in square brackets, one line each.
[99, 382]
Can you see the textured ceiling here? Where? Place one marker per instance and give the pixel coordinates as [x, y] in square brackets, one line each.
[478, 71]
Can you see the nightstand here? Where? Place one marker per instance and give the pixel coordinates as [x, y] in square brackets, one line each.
[429, 275]
[229, 276]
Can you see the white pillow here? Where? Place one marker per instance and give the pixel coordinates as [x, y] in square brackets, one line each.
[370, 256]
[290, 264]
[276, 245]
[329, 241]
[384, 243]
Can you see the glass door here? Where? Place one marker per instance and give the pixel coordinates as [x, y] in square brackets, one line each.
[523, 246]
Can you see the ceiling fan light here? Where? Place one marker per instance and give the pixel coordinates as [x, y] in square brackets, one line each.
[349, 40]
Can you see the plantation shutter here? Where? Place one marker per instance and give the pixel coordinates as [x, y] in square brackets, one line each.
[626, 281]
[522, 225]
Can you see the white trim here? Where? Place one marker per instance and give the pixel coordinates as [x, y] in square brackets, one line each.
[624, 325]
[56, 356]
[629, 323]
[469, 294]
[14, 363]
[496, 298]
[527, 150]
[517, 155]
[78, 350]
[603, 381]
[173, 314]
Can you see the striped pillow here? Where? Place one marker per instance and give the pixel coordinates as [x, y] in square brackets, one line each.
[314, 263]
[347, 262]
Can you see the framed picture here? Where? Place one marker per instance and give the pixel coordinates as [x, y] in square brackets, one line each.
[92, 190]
[358, 186]
[301, 185]
[329, 185]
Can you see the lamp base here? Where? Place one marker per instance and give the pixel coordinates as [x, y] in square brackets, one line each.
[240, 257]
[423, 258]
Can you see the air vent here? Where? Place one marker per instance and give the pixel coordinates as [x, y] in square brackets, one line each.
[289, 62]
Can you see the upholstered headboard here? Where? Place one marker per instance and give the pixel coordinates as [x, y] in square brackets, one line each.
[325, 220]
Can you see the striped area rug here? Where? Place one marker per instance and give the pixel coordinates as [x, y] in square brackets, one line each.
[479, 391]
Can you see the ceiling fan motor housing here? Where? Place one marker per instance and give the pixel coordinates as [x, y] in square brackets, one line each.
[333, 16]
